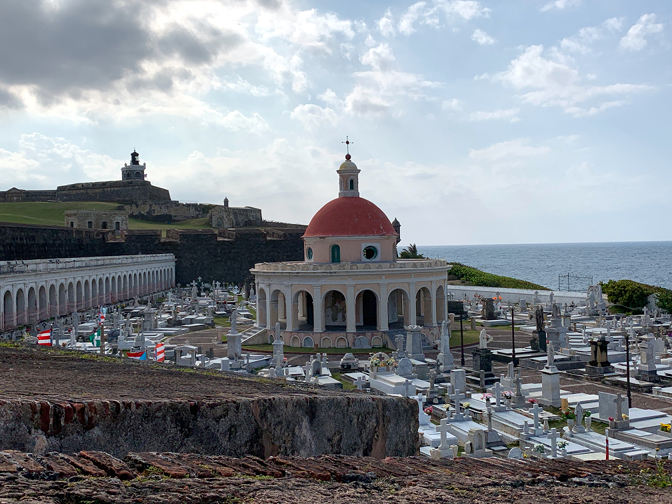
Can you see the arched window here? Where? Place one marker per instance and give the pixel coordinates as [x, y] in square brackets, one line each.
[335, 254]
[352, 185]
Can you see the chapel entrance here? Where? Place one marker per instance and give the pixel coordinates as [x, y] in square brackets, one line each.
[367, 310]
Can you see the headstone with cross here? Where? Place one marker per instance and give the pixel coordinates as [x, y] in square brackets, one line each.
[359, 382]
[553, 436]
[535, 411]
[457, 399]
[497, 389]
[423, 417]
[443, 430]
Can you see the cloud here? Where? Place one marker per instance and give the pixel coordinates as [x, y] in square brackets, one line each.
[453, 105]
[581, 41]
[410, 17]
[466, 9]
[555, 83]
[560, 5]
[380, 57]
[313, 116]
[386, 25]
[482, 38]
[635, 39]
[509, 149]
[496, 114]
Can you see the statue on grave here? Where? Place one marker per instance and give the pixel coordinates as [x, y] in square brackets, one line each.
[483, 339]
[556, 311]
[550, 354]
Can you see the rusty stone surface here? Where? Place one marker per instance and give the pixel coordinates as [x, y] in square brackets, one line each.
[109, 464]
[351, 480]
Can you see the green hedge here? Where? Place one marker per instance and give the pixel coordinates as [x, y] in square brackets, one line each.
[473, 276]
[631, 294]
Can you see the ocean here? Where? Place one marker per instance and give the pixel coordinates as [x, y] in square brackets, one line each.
[577, 264]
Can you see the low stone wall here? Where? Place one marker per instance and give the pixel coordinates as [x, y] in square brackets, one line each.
[303, 424]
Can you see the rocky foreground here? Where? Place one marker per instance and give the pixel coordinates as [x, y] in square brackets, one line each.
[96, 477]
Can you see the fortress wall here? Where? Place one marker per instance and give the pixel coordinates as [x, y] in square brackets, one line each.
[198, 252]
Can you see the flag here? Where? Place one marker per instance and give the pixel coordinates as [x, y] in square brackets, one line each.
[44, 338]
[95, 338]
[137, 355]
[159, 353]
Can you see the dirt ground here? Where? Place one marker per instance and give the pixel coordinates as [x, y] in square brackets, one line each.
[31, 372]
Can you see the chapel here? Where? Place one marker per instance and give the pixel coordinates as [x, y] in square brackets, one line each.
[351, 289]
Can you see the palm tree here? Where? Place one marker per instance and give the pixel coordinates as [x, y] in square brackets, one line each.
[411, 252]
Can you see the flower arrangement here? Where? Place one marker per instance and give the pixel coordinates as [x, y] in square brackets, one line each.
[375, 362]
[507, 394]
[539, 448]
[568, 415]
[486, 396]
[391, 362]
[611, 419]
[466, 405]
[586, 414]
[624, 416]
[562, 444]
[666, 427]
[429, 410]
[533, 401]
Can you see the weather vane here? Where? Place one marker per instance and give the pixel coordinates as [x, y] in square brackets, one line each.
[347, 147]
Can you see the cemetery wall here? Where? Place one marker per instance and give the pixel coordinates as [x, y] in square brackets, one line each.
[204, 253]
[515, 295]
[300, 424]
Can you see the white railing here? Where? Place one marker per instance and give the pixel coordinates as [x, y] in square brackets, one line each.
[48, 265]
[349, 266]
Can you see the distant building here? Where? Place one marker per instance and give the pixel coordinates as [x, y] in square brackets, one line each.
[96, 219]
[134, 171]
[222, 217]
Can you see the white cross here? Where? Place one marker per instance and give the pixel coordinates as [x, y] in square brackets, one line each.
[535, 411]
[498, 393]
[359, 382]
[619, 410]
[443, 430]
[553, 436]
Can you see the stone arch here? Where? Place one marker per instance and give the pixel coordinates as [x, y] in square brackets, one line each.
[341, 342]
[334, 312]
[31, 307]
[440, 305]
[296, 341]
[20, 307]
[62, 299]
[113, 289]
[262, 316]
[124, 289]
[278, 309]
[308, 342]
[53, 301]
[107, 289]
[398, 308]
[135, 286]
[88, 294]
[71, 298]
[8, 309]
[42, 304]
[366, 310]
[326, 342]
[423, 307]
[79, 295]
[145, 283]
[303, 311]
[376, 342]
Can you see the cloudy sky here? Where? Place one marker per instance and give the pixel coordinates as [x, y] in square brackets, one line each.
[473, 121]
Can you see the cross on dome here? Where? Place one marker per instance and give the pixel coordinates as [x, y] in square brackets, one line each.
[347, 147]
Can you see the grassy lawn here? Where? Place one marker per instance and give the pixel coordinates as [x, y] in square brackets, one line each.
[53, 214]
[470, 337]
[346, 384]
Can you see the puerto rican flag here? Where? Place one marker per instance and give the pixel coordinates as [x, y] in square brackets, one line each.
[159, 353]
[44, 338]
[137, 355]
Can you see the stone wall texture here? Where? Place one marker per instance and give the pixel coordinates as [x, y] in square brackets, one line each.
[302, 424]
[121, 191]
[203, 253]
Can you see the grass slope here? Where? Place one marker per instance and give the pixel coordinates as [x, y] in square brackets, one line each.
[53, 214]
[472, 276]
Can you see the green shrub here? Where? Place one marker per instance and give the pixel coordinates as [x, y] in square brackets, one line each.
[477, 277]
[631, 294]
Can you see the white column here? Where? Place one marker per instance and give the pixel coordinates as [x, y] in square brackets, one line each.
[350, 319]
[289, 308]
[382, 310]
[433, 297]
[318, 309]
[412, 316]
[268, 307]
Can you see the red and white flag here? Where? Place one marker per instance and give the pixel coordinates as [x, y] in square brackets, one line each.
[44, 338]
[159, 353]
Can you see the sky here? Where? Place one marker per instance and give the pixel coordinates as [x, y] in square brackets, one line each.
[473, 122]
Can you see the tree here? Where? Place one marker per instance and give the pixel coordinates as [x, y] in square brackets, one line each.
[664, 300]
[411, 252]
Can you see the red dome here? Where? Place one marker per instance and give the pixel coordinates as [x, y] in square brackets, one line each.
[351, 216]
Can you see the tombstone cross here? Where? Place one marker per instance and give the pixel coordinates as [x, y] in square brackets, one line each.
[488, 410]
[619, 409]
[443, 430]
[359, 382]
[535, 412]
[498, 393]
[553, 436]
